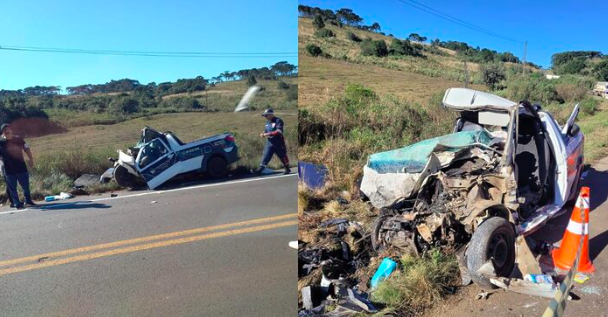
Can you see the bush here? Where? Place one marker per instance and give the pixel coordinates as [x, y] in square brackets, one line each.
[251, 81]
[182, 103]
[318, 22]
[353, 37]
[600, 70]
[313, 50]
[589, 106]
[572, 67]
[532, 87]
[282, 85]
[292, 93]
[492, 75]
[324, 33]
[124, 105]
[399, 48]
[374, 48]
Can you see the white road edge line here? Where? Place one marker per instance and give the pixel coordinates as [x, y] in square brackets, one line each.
[151, 193]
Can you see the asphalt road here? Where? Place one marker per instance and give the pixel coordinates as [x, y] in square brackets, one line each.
[589, 299]
[217, 249]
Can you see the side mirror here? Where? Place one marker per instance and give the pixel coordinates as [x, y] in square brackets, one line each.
[574, 130]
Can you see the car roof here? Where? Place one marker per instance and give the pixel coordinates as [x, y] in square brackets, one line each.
[469, 99]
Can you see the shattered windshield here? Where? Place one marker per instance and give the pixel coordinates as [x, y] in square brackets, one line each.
[152, 152]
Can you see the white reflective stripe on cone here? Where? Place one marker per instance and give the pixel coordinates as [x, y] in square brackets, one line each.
[582, 203]
[577, 228]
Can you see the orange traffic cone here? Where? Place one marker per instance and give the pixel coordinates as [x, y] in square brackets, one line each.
[565, 256]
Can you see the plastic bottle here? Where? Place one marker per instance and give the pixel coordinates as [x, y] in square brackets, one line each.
[384, 270]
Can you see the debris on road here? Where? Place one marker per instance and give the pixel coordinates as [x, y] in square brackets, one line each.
[153, 202]
[516, 285]
[86, 180]
[294, 244]
[61, 196]
[591, 290]
[581, 278]
[483, 295]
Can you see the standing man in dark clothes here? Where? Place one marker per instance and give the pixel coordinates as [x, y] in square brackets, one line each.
[275, 142]
[11, 149]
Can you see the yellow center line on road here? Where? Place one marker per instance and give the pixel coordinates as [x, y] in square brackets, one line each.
[141, 247]
[143, 239]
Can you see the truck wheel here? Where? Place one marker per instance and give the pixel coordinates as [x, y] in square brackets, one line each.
[217, 167]
[494, 240]
[123, 177]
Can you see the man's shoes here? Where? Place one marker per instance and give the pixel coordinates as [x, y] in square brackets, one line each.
[12, 205]
[20, 207]
[287, 171]
[30, 204]
[259, 170]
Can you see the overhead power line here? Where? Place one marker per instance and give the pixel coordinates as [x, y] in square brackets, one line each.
[455, 20]
[150, 53]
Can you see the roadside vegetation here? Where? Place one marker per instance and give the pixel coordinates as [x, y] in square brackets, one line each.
[364, 92]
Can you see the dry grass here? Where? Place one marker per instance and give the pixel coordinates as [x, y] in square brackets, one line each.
[419, 283]
[321, 79]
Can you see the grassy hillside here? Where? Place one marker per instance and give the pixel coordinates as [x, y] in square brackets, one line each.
[413, 78]
[221, 97]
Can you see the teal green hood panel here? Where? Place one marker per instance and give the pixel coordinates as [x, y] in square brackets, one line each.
[414, 157]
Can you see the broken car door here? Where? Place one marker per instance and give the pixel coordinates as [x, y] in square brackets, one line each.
[157, 163]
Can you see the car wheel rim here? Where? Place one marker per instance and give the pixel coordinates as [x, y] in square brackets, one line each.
[498, 251]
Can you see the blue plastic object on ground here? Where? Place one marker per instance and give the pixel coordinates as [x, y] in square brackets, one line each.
[312, 175]
[384, 270]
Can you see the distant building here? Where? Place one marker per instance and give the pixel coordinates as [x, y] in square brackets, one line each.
[551, 76]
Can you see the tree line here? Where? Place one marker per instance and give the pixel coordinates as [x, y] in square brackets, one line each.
[338, 18]
[186, 85]
[586, 63]
[347, 17]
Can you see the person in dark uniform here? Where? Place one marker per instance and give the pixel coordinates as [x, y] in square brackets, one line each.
[275, 142]
[15, 169]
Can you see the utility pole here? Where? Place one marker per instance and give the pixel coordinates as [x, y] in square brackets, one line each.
[466, 72]
[525, 52]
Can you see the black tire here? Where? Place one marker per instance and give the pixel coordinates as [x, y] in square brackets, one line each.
[123, 177]
[217, 167]
[494, 239]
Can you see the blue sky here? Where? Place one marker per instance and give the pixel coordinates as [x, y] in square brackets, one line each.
[548, 26]
[154, 25]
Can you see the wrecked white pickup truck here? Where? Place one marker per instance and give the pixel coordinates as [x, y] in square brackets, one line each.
[158, 157]
[507, 169]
